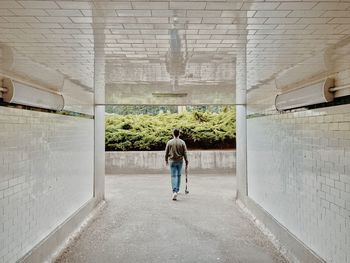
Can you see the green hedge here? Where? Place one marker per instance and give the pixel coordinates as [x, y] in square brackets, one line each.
[145, 132]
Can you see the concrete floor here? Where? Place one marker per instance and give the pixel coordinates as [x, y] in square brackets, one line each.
[142, 224]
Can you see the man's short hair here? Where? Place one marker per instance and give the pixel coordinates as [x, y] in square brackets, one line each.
[176, 132]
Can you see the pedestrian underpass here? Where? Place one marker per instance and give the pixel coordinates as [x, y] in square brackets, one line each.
[285, 67]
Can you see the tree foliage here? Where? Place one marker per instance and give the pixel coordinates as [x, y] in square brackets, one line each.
[200, 130]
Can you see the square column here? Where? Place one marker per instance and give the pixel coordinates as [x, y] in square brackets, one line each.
[99, 110]
[241, 125]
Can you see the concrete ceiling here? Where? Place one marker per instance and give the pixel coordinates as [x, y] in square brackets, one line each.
[140, 59]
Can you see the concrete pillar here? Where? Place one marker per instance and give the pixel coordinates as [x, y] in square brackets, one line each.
[241, 125]
[99, 109]
[99, 178]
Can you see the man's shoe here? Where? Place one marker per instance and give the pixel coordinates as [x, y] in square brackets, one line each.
[174, 196]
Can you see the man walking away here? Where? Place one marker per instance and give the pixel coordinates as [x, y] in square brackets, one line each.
[175, 152]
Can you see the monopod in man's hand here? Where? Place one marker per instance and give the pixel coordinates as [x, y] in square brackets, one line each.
[186, 172]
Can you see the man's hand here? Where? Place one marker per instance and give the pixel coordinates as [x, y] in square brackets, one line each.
[186, 165]
[166, 163]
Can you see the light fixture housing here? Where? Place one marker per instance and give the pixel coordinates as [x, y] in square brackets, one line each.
[170, 94]
[309, 95]
[24, 94]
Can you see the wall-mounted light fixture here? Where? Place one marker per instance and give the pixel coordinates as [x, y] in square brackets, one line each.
[319, 92]
[24, 94]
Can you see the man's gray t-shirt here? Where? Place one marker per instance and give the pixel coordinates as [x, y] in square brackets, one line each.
[176, 150]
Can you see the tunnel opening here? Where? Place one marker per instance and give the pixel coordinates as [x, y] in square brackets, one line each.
[136, 137]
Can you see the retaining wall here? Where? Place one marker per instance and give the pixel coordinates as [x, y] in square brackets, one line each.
[221, 161]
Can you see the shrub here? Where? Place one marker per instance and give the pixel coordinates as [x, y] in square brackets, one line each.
[200, 130]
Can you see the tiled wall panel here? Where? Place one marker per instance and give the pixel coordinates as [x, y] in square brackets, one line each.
[46, 174]
[299, 172]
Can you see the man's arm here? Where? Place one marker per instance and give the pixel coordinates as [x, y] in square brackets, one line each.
[166, 153]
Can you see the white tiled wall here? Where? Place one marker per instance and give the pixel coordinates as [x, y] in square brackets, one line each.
[299, 172]
[46, 174]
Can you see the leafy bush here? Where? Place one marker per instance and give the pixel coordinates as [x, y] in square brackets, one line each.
[200, 130]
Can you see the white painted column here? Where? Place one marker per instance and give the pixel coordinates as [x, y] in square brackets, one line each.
[241, 125]
[99, 178]
[99, 109]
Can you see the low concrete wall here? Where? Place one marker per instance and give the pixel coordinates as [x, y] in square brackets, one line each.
[222, 161]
